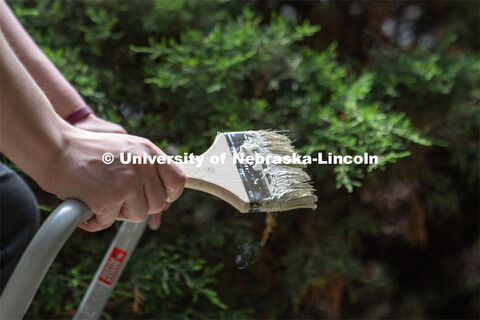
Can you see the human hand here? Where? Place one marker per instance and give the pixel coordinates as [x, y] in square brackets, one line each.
[115, 191]
[96, 124]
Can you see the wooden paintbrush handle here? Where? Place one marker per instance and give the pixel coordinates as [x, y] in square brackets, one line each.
[219, 178]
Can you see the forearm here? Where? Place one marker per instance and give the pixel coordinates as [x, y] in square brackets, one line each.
[60, 93]
[32, 135]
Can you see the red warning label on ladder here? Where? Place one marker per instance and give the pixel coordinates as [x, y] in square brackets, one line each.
[112, 266]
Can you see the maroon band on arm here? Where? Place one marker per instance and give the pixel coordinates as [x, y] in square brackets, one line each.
[79, 114]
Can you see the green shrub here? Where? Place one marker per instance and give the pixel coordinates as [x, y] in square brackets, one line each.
[243, 76]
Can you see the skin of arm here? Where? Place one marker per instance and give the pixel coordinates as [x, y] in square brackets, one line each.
[66, 161]
[63, 97]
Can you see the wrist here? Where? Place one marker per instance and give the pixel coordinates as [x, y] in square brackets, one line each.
[54, 159]
[79, 114]
[87, 118]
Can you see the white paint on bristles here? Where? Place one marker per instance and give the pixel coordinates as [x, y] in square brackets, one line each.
[291, 187]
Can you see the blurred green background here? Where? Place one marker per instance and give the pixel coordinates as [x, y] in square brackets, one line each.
[399, 79]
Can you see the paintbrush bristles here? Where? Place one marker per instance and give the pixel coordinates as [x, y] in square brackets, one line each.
[291, 186]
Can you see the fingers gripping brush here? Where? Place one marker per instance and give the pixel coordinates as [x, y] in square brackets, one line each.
[249, 186]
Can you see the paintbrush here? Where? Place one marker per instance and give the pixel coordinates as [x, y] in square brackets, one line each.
[251, 171]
